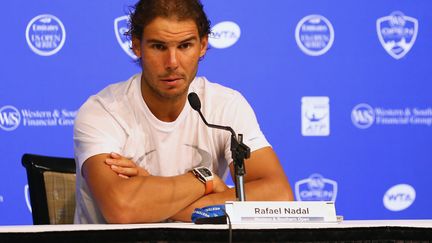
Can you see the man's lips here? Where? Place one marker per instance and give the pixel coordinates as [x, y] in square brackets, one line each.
[171, 79]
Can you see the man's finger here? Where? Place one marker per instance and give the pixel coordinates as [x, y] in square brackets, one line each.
[120, 162]
[124, 170]
[123, 176]
[115, 155]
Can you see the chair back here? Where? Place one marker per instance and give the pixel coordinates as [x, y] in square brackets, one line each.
[51, 182]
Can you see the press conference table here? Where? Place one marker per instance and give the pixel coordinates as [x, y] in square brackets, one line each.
[362, 230]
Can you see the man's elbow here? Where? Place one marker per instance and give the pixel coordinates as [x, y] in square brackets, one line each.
[283, 191]
[288, 195]
[118, 212]
[125, 211]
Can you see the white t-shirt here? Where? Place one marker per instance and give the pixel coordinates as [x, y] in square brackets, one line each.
[118, 120]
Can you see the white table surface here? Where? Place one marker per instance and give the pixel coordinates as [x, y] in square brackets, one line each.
[343, 224]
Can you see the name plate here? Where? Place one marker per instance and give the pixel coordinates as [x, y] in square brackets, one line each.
[281, 212]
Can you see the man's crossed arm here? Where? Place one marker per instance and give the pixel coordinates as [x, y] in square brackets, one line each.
[126, 193]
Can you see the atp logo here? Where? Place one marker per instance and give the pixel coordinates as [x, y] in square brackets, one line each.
[10, 118]
[399, 197]
[224, 34]
[315, 116]
[316, 188]
[363, 116]
[120, 28]
[397, 33]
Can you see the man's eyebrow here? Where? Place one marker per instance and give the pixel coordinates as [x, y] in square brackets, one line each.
[156, 41]
[193, 38]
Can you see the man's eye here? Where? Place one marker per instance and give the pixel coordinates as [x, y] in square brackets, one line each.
[158, 47]
[185, 45]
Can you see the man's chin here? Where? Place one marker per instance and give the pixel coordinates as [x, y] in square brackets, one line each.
[173, 94]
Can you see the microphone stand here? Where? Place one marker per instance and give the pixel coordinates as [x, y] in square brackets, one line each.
[239, 152]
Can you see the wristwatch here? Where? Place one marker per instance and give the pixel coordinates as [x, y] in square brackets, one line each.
[205, 176]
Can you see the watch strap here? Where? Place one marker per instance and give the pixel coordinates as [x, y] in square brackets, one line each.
[208, 187]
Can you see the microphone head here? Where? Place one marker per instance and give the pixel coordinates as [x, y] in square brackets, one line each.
[194, 101]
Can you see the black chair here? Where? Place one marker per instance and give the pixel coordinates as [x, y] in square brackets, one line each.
[51, 183]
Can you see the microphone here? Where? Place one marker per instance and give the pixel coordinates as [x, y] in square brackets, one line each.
[239, 150]
[195, 103]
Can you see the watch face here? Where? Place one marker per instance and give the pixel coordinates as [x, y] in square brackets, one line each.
[205, 172]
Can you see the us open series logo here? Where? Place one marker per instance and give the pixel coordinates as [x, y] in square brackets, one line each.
[314, 35]
[45, 34]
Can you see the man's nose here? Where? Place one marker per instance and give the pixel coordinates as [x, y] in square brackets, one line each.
[172, 59]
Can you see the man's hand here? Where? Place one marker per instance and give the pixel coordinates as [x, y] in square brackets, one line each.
[139, 199]
[125, 167]
[218, 184]
[265, 181]
[219, 187]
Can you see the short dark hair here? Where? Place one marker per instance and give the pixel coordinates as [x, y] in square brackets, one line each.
[146, 11]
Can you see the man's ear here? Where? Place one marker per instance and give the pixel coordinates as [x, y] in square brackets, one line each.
[204, 45]
[136, 46]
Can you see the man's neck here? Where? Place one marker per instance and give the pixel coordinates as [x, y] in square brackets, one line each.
[164, 109]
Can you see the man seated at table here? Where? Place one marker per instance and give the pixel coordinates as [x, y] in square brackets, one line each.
[136, 142]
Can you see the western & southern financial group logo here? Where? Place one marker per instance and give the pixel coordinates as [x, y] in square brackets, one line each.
[314, 35]
[224, 34]
[399, 197]
[316, 188]
[10, 118]
[315, 116]
[121, 26]
[397, 33]
[45, 34]
[364, 116]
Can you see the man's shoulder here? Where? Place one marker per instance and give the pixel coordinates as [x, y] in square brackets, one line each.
[117, 91]
[213, 91]
[110, 101]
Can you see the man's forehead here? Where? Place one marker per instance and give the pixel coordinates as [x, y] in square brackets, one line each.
[171, 29]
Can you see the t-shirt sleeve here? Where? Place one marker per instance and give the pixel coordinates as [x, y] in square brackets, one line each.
[96, 131]
[242, 118]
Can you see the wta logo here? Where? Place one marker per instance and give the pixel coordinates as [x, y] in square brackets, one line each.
[10, 118]
[399, 197]
[224, 34]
